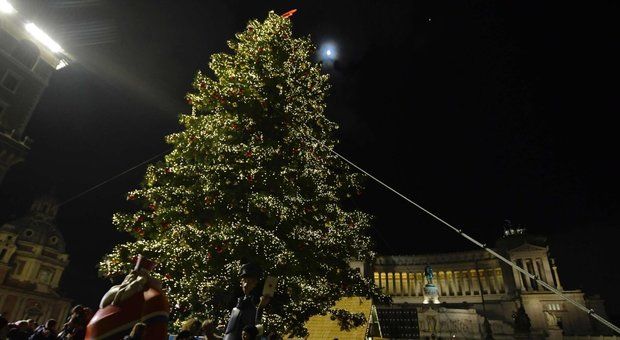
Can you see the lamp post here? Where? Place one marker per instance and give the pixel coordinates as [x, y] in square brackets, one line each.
[487, 325]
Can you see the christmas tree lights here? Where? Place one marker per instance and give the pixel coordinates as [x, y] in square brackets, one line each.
[245, 182]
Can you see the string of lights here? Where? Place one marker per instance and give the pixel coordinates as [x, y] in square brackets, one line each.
[112, 178]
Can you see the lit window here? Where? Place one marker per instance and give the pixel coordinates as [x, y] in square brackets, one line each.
[10, 81]
[45, 275]
[19, 267]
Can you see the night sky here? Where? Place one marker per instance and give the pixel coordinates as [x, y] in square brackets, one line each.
[479, 111]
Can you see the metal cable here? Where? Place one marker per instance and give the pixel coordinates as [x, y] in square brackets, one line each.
[590, 311]
[111, 178]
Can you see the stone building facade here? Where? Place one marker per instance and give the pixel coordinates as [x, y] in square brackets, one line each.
[465, 279]
[32, 260]
[26, 66]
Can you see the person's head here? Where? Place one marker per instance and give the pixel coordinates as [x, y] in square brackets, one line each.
[32, 324]
[249, 333]
[184, 335]
[78, 309]
[138, 330]
[249, 274]
[50, 324]
[3, 322]
[192, 326]
[22, 325]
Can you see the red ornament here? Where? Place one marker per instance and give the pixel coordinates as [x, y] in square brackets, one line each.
[248, 153]
[219, 249]
[165, 225]
[234, 126]
[138, 231]
[168, 276]
[250, 178]
[152, 206]
[209, 255]
[140, 218]
[189, 101]
[168, 170]
[203, 85]
[131, 197]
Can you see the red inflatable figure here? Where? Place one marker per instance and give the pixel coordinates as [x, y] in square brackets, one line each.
[138, 299]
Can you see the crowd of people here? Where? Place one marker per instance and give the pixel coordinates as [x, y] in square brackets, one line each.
[140, 298]
[194, 329]
[74, 327]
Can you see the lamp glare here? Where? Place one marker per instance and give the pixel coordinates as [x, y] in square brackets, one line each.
[38, 34]
[6, 7]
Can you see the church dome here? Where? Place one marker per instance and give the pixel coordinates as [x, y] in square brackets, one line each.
[38, 225]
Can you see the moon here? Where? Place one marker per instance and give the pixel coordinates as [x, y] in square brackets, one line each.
[328, 51]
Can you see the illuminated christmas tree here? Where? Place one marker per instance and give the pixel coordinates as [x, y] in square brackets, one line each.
[248, 180]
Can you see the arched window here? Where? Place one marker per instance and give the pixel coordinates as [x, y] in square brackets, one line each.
[45, 275]
[26, 53]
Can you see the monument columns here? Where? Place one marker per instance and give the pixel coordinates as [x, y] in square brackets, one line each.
[536, 272]
[555, 274]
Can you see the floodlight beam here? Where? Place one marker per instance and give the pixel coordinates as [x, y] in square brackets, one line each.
[42, 37]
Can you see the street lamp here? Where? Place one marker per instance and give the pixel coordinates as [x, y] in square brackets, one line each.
[487, 325]
[6, 7]
[42, 37]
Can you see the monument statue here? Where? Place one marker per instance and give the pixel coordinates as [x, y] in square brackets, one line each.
[431, 293]
[552, 320]
[428, 272]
